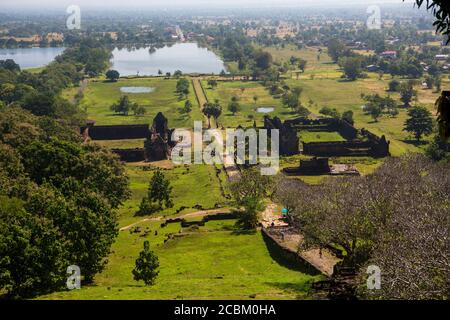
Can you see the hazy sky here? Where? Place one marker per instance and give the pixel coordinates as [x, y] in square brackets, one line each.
[188, 3]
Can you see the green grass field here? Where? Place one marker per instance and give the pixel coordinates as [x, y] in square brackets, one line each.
[213, 262]
[309, 136]
[100, 95]
[244, 91]
[192, 185]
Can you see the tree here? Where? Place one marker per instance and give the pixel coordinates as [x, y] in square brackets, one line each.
[302, 111]
[419, 123]
[234, 107]
[327, 111]
[438, 149]
[160, 190]
[138, 110]
[255, 99]
[10, 65]
[187, 107]
[394, 85]
[352, 67]
[112, 75]
[263, 59]
[146, 266]
[249, 192]
[212, 83]
[302, 64]
[348, 116]
[441, 11]
[336, 49]
[32, 255]
[123, 106]
[178, 73]
[182, 87]
[361, 216]
[407, 93]
[374, 111]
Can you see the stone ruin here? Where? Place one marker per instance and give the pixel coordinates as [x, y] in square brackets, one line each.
[321, 166]
[359, 142]
[289, 141]
[158, 144]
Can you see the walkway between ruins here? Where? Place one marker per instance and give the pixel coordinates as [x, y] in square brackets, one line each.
[201, 97]
[196, 214]
[289, 238]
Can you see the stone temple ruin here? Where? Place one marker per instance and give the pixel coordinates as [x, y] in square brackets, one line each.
[158, 144]
[358, 143]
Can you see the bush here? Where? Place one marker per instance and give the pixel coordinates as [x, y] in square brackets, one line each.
[147, 207]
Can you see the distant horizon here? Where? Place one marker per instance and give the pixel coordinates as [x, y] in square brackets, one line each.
[205, 4]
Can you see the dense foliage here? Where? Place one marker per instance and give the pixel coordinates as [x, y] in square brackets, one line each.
[57, 201]
[396, 219]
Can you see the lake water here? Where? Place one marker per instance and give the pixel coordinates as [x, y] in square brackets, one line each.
[28, 58]
[137, 89]
[265, 110]
[187, 57]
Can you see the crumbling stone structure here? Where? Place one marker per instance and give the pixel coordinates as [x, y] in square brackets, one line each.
[359, 142]
[314, 166]
[289, 141]
[158, 145]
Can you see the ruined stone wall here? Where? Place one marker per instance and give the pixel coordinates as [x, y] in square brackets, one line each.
[372, 146]
[130, 155]
[119, 132]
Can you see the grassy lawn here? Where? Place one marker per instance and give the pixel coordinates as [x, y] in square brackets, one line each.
[309, 136]
[226, 90]
[213, 262]
[217, 261]
[99, 96]
[121, 144]
[192, 185]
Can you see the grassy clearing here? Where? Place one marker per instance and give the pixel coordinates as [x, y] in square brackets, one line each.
[99, 96]
[245, 91]
[309, 136]
[121, 144]
[213, 262]
[192, 185]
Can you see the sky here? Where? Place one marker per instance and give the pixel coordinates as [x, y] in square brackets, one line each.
[189, 3]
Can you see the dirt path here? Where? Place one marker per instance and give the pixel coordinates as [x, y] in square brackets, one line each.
[196, 214]
[83, 85]
[201, 97]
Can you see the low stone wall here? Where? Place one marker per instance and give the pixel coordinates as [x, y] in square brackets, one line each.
[119, 132]
[372, 146]
[289, 254]
[130, 155]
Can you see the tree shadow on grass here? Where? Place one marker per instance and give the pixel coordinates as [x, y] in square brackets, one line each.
[415, 142]
[300, 288]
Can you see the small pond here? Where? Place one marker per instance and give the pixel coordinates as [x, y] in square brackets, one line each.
[265, 110]
[137, 89]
